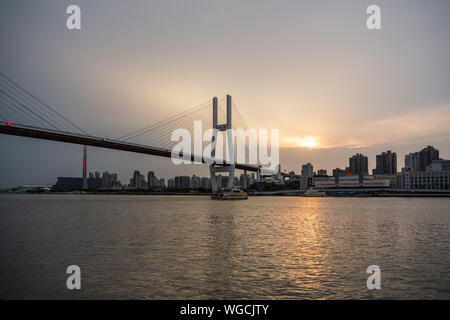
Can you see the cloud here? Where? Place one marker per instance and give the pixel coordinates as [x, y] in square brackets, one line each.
[426, 124]
[413, 126]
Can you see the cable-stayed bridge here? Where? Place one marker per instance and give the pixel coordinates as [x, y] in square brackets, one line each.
[24, 114]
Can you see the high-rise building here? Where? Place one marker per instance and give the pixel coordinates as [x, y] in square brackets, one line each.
[182, 182]
[206, 183]
[106, 180]
[412, 162]
[152, 180]
[171, 183]
[195, 182]
[307, 170]
[244, 181]
[322, 172]
[115, 182]
[426, 155]
[138, 180]
[358, 163]
[136, 175]
[386, 163]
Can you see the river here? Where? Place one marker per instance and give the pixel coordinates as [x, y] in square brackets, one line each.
[192, 247]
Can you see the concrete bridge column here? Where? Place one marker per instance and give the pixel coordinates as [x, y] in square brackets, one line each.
[229, 167]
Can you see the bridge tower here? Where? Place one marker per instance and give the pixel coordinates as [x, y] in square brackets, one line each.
[227, 167]
[84, 184]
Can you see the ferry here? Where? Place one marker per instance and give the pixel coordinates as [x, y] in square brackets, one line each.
[313, 193]
[233, 194]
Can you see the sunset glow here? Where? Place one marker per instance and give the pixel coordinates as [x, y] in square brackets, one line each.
[308, 143]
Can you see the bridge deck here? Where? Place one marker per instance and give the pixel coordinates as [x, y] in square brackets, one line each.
[67, 137]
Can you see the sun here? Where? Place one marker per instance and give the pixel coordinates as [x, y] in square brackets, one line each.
[308, 143]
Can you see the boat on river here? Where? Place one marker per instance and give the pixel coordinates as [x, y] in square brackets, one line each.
[230, 194]
[313, 193]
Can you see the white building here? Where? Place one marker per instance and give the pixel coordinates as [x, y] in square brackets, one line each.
[352, 181]
[307, 170]
[429, 180]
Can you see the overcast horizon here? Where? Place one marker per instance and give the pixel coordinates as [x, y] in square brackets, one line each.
[311, 69]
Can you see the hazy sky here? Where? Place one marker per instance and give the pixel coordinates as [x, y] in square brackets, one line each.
[310, 68]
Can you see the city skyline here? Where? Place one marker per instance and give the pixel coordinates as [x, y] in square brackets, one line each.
[331, 86]
[400, 162]
[426, 159]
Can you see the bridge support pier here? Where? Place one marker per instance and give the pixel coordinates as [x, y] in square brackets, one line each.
[229, 167]
[84, 184]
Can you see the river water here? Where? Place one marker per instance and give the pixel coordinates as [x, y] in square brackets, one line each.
[192, 247]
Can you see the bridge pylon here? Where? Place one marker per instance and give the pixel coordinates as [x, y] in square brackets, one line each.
[228, 167]
[84, 184]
